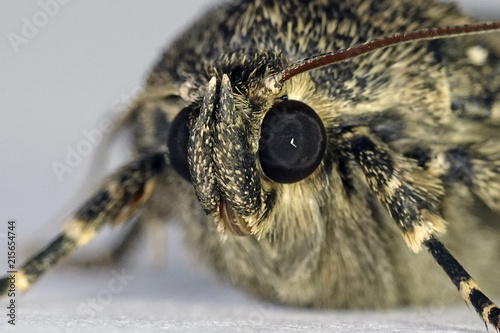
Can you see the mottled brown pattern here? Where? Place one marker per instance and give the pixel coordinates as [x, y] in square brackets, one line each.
[413, 148]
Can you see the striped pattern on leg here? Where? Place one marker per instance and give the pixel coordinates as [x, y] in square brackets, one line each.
[115, 200]
[487, 310]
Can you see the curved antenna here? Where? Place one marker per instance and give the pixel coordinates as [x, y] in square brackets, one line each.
[275, 81]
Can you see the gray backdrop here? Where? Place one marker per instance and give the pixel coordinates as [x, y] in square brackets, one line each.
[62, 79]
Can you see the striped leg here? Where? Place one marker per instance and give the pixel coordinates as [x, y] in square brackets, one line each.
[487, 310]
[114, 201]
[411, 196]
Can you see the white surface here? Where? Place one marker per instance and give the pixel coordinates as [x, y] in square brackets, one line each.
[64, 81]
[183, 298]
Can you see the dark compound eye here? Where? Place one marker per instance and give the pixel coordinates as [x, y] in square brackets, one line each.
[177, 142]
[292, 142]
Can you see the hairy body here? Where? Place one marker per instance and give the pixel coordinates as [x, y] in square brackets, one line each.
[408, 152]
[329, 242]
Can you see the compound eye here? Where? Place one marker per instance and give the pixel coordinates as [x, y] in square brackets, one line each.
[178, 141]
[292, 142]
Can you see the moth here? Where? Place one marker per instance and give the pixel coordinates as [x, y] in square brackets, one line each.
[314, 151]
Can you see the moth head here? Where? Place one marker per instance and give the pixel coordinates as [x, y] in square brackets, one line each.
[238, 146]
[244, 138]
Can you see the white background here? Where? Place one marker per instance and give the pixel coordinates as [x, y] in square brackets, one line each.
[64, 81]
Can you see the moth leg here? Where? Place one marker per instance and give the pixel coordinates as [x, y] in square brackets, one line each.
[411, 198]
[156, 240]
[411, 195]
[119, 251]
[469, 290]
[114, 201]
[150, 226]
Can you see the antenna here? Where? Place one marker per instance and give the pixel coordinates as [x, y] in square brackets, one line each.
[275, 81]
